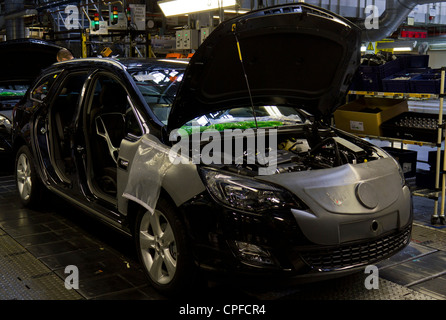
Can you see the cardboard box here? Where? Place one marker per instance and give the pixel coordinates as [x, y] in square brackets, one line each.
[365, 115]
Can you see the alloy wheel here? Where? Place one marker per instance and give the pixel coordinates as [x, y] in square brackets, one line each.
[24, 178]
[158, 247]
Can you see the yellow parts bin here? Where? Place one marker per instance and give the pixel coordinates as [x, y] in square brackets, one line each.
[365, 115]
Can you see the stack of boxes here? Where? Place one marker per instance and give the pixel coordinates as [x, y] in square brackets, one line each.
[391, 117]
[408, 73]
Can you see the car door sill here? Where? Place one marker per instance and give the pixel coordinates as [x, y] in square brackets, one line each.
[114, 222]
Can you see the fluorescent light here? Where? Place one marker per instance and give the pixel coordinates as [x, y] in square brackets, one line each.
[178, 7]
[437, 46]
[241, 11]
[363, 48]
[402, 49]
[404, 45]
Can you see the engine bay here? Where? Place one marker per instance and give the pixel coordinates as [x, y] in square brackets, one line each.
[309, 147]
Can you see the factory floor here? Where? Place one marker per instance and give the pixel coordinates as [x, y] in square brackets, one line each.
[37, 246]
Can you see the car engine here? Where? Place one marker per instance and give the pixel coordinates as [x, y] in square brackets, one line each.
[321, 148]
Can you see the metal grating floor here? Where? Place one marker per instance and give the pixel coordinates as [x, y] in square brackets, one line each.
[35, 247]
[23, 277]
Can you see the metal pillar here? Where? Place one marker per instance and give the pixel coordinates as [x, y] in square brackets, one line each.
[440, 170]
[15, 28]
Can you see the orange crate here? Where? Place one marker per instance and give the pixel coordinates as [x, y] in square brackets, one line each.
[175, 55]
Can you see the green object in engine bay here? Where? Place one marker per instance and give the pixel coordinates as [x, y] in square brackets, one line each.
[235, 125]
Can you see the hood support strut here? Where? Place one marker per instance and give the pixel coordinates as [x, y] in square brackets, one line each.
[234, 28]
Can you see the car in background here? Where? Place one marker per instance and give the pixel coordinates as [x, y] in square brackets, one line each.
[22, 61]
[104, 135]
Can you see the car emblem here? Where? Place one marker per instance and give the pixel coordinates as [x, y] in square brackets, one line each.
[338, 199]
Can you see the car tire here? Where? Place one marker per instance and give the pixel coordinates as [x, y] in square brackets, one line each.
[163, 249]
[28, 184]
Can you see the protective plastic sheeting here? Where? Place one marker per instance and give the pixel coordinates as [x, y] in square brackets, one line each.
[150, 164]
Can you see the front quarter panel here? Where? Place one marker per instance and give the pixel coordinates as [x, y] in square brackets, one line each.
[150, 171]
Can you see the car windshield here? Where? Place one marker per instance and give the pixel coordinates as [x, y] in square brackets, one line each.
[159, 86]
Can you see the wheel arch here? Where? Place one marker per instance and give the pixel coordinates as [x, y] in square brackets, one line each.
[17, 143]
[133, 208]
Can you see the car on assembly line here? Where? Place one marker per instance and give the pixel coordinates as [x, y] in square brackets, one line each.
[118, 138]
[23, 60]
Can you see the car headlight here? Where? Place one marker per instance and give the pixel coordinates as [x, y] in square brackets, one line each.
[5, 121]
[247, 194]
[400, 171]
[397, 164]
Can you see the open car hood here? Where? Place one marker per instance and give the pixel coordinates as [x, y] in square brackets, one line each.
[23, 59]
[293, 55]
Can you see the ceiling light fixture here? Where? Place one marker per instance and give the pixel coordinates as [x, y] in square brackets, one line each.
[403, 49]
[179, 7]
[405, 45]
[240, 11]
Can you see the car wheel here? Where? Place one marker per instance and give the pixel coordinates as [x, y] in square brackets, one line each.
[163, 249]
[27, 182]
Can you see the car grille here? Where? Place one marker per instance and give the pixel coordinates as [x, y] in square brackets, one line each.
[357, 254]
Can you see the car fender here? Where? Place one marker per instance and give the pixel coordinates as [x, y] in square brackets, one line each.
[153, 169]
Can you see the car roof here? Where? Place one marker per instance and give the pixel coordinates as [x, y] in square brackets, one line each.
[143, 62]
[125, 63]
